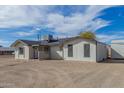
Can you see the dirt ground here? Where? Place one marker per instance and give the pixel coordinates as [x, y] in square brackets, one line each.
[59, 73]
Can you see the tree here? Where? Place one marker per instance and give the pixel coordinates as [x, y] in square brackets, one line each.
[87, 35]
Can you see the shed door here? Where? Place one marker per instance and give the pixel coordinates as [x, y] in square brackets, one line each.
[35, 52]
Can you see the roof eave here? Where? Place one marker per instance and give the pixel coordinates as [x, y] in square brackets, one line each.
[13, 44]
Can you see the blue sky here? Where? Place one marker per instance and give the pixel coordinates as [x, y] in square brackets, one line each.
[25, 22]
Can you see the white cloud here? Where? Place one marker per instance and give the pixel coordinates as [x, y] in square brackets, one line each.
[108, 38]
[24, 33]
[27, 33]
[78, 21]
[14, 16]
[19, 16]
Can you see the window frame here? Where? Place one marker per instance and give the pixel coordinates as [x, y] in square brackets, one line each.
[87, 50]
[21, 52]
[70, 54]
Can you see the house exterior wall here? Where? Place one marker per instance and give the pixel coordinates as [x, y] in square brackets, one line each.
[97, 51]
[56, 52]
[31, 56]
[117, 51]
[78, 50]
[43, 55]
[101, 52]
[22, 56]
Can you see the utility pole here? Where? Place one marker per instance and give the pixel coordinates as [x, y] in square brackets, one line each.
[39, 36]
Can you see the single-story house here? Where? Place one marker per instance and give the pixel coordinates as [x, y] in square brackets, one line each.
[6, 50]
[74, 48]
[117, 49]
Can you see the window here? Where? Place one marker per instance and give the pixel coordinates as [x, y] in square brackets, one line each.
[70, 50]
[21, 50]
[86, 50]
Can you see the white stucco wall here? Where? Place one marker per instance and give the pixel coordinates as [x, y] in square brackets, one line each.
[117, 50]
[101, 51]
[55, 52]
[78, 50]
[26, 52]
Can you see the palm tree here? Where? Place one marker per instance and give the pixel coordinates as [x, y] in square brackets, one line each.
[87, 35]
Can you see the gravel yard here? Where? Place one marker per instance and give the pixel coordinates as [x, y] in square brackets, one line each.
[59, 73]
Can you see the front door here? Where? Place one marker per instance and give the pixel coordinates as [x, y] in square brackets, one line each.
[35, 52]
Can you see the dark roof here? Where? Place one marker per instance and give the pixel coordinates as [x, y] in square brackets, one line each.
[51, 42]
[62, 40]
[45, 42]
[29, 42]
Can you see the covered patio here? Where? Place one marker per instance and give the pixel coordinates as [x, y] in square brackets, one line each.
[41, 52]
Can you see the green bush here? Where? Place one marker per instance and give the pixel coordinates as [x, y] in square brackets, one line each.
[88, 35]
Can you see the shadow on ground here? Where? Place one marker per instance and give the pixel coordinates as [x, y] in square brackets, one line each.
[113, 61]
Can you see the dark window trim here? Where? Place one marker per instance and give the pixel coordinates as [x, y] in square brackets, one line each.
[21, 52]
[70, 53]
[87, 51]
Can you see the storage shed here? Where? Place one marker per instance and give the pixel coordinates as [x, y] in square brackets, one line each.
[117, 49]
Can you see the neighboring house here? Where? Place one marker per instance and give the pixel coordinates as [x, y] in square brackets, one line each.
[117, 49]
[6, 51]
[74, 48]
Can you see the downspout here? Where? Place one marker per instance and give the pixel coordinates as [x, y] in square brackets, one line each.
[49, 52]
[38, 52]
[62, 52]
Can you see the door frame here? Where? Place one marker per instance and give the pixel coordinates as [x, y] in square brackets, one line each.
[35, 52]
